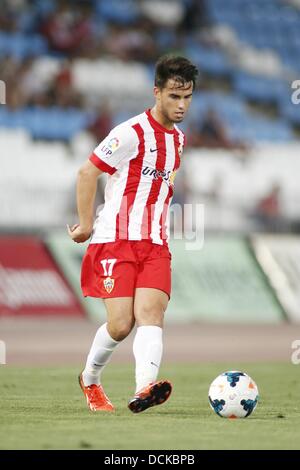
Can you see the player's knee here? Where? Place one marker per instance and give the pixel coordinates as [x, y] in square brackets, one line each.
[120, 330]
[150, 314]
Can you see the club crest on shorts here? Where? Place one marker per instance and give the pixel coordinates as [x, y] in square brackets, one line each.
[109, 284]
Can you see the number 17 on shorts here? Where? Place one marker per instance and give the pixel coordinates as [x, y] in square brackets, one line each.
[108, 266]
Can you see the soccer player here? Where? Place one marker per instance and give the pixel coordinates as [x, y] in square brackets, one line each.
[127, 263]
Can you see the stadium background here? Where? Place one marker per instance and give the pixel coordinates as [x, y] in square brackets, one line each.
[70, 71]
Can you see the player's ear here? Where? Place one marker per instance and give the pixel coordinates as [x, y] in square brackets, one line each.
[156, 92]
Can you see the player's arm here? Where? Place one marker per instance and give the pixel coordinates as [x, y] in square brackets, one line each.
[115, 150]
[86, 192]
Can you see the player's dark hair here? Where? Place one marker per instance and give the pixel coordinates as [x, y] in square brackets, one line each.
[176, 67]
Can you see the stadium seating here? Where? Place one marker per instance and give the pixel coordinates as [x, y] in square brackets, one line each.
[240, 185]
[250, 53]
[36, 181]
[209, 60]
[20, 46]
[258, 89]
[46, 123]
[125, 12]
[240, 123]
[275, 26]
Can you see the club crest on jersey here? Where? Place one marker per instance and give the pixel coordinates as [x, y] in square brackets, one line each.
[180, 150]
[110, 147]
[172, 178]
[109, 284]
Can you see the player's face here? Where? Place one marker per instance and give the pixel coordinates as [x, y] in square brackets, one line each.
[174, 100]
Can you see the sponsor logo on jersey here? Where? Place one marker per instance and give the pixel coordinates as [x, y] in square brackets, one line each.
[167, 176]
[109, 284]
[110, 147]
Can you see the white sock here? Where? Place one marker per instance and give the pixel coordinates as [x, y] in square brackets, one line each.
[99, 355]
[147, 350]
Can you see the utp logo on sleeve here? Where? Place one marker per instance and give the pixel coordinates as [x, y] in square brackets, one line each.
[108, 148]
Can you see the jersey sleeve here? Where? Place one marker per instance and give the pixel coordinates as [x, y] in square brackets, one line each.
[115, 150]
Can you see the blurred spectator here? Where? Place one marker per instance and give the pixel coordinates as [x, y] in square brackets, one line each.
[214, 192]
[64, 77]
[10, 10]
[268, 210]
[62, 89]
[102, 123]
[194, 17]
[26, 89]
[69, 28]
[132, 43]
[29, 83]
[212, 134]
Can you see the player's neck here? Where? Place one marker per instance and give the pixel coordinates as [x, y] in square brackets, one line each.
[161, 119]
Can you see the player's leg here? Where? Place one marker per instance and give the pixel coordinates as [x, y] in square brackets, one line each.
[120, 321]
[149, 307]
[108, 272]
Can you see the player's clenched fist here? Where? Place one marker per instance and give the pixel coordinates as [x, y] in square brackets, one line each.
[77, 234]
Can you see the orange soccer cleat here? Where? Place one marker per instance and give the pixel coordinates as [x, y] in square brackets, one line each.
[95, 397]
[155, 393]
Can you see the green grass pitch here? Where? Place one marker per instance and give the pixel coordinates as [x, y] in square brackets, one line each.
[44, 408]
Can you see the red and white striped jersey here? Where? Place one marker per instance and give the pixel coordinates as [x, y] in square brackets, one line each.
[141, 158]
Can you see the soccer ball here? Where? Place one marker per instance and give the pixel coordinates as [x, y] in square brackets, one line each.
[233, 394]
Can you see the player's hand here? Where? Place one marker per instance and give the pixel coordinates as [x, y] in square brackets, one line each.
[77, 234]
